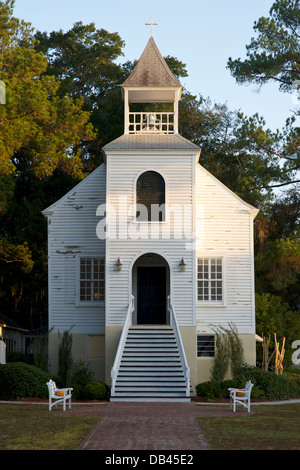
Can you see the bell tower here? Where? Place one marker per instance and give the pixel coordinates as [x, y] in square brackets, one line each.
[150, 196]
[151, 81]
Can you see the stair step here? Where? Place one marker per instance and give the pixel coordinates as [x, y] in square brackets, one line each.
[150, 364]
[150, 380]
[151, 337]
[153, 340]
[150, 347]
[143, 393]
[154, 354]
[156, 390]
[152, 399]
[163, 360]
[161, 333]
[151, 328]
[150, 367]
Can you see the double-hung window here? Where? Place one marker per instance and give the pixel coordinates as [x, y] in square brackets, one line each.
[210, 279]
[91, 279]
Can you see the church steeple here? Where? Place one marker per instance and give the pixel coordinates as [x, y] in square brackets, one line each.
[151, 81]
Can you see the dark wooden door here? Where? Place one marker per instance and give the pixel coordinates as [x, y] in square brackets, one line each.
[151, 295]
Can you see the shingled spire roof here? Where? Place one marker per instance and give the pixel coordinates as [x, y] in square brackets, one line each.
[151, 70]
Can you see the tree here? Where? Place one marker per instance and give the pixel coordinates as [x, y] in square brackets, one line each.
[40, 134]
[234, 147]
[83, 60]
[35, 121]
[274, 56]
[284, 214]
[273, 315]
[278, 248]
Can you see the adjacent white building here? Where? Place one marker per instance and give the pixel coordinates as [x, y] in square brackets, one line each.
[150, 253]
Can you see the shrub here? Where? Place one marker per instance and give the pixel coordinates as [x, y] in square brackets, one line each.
[232, 383]
[221, 359]
[40, 351]
[81, 373]
[294, 384]
[274, 387]
[19, 380]
[240, 382]
[210, 390]
[236, 350]
[77, 391]
[266, 385]
[65, 360]
[229, 350]
[94, 391]
[19, 357]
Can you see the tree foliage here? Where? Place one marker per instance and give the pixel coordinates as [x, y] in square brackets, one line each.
[274, 56]
[234, 148]
[35, 121]
[274, 315]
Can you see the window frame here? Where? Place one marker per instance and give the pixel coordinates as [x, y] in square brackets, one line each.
[164, 219]
[211, 341]
[211, 302]
[79, 279]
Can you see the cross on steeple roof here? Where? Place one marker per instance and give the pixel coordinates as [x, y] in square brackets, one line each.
[151, 24]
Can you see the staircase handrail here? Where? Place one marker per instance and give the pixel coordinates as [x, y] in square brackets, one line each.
[116, 365]
[174, 323]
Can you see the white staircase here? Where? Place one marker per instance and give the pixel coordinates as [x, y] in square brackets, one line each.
[151, 367]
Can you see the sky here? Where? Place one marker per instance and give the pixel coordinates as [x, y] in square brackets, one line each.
[202, 34]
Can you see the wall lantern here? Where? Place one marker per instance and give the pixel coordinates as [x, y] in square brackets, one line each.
[118, 266]
[182, 265]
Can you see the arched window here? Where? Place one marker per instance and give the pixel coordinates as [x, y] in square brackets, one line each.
[150, 197]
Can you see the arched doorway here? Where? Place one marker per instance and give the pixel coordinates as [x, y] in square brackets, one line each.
[151, 287]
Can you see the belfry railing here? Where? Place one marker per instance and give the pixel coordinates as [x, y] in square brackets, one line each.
[151, 123]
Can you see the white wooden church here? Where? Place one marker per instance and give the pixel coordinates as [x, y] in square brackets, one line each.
[150, 254]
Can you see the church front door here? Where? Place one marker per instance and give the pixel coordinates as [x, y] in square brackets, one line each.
[151, 295]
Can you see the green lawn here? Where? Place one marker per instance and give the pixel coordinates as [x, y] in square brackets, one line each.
[272, 427]
[28, 427]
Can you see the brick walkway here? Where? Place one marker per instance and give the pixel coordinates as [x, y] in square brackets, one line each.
[148, 426]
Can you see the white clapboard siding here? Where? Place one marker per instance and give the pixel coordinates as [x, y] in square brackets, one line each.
[178, 172]
[225, 229]
[72, 225]
[223, 224]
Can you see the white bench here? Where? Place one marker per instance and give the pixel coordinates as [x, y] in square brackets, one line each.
[241, 396]
[58, 395]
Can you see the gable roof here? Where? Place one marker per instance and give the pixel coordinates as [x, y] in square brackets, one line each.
[248, 207]
[150, 141]
[151, 70]
[9, 323]
[99, 171]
